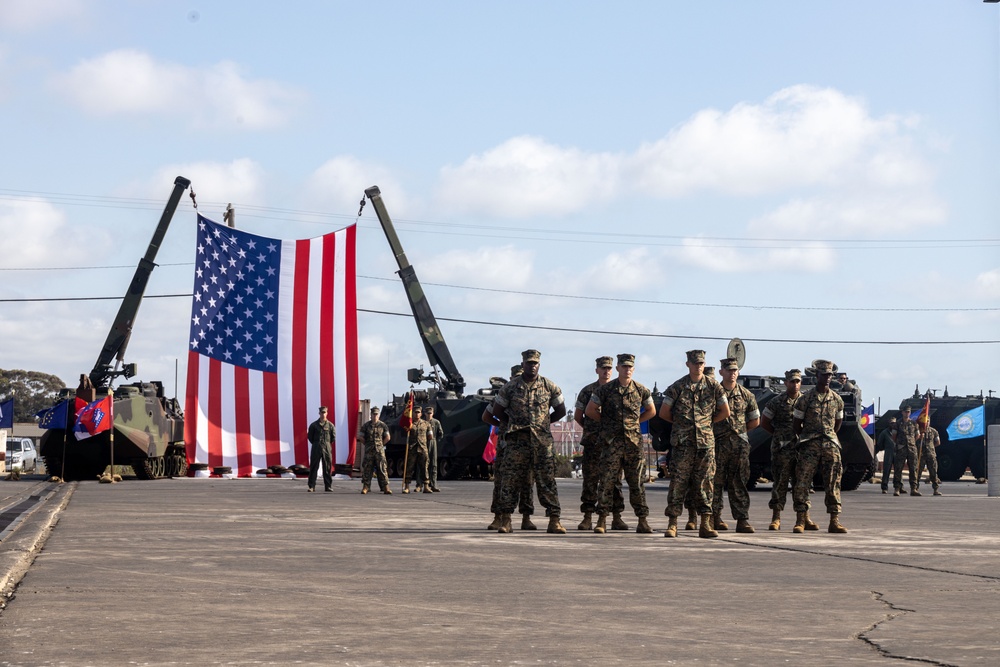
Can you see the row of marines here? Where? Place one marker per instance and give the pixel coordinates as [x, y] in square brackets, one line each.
[709, 441]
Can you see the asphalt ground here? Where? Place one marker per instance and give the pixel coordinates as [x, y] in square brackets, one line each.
[209, 571]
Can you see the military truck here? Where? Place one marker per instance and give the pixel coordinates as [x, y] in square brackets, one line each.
[148, 431]
[460, 451]
[954, 457]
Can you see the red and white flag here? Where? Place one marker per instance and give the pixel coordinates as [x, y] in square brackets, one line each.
[94, 418]
[274, 335]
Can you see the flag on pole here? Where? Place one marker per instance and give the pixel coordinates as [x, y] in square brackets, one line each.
[54, 417]
[969, 424]
[7, 413]
[490, 451]
[924, 416]
[406, 419]
[867, 420]
[274, 336]
[96, 418]
[915, 415]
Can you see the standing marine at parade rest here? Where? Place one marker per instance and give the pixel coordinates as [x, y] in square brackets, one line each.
[524, 405]
[619, 406]
[777, 420]
[732, 449]
[887, 443]
[691, 499]
[593, 450]
[322, 436]
[906, 453]
[817, 417]
[929, 441]
[525, 504]
[692, 404]
[374, 434]
[418, 440]
[432, 448]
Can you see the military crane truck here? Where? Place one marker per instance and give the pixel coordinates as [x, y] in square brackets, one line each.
[148, 431]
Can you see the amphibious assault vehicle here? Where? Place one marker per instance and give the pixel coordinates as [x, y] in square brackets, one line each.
[148, 431]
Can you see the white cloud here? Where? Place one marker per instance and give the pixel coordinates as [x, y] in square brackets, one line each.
[30, 14]
[636, 273]
[131, 82]
[987, 284]
[502, 267]
[526, 176]
[859, 215]
[340, 183]
[36, 235]
[813, 258]
[241, 180]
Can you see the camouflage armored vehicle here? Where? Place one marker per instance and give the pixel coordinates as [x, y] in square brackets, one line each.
[461, 450]
[148, 431]
[954, 457]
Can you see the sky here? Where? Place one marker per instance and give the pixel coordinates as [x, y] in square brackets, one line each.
[582, 178]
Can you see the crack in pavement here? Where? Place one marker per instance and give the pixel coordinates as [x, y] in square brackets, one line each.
[894, 612]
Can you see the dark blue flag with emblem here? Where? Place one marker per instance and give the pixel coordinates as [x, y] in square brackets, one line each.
[54, 417]
[7, 413]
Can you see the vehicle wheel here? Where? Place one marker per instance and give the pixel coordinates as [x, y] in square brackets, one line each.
[951, 465]
[445, 468]
[977, 463]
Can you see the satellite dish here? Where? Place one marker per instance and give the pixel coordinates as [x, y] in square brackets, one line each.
[737, 351]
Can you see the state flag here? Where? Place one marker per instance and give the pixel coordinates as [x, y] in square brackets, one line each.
[7, 413]
[969, 424]
[867, 419]
[54, 417]
[96, 417]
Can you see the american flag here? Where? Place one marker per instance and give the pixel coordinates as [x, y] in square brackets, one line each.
[274, 336]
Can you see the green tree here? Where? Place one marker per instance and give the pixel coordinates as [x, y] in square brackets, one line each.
[32, 391]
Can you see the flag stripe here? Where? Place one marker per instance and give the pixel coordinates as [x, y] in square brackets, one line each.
[328, 301]
[300, 330]
[190, 407]
[244, 450]
[214, 413]
[272, 428]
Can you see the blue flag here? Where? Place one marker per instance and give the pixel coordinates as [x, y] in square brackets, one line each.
[867, 419]
[54, 417]
[969, 424]
[7, 413]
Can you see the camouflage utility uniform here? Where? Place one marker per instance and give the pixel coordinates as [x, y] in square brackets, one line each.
[783, 442]
[418, 441]
[732, 452]
[906, 452]
[373, 436]
[525, 504]
[692, 441]
[432, 450]
[621, 442]
[592, 457]
[929, 442]
[322, 436]
[818, 448]
[529, 442]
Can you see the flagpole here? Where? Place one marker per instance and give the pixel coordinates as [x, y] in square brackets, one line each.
[111, 438]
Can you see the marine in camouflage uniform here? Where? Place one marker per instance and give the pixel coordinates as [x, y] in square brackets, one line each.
[691, 499]
[929, 441]
[817, 417]
[524, 404]
[432, 449]
[777, 420]
[592, 450]
[322, 436]
[692, 404]
[525, 504]
[619, 407]
[374, 434]
[418, 440]
[732, 450]
[906, 453]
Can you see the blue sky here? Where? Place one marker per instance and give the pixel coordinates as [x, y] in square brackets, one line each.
[761, 170]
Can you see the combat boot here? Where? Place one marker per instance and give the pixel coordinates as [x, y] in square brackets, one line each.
[364, 490]
[800, 522]
[406, 489]
[504, 524]
[427, 489]
[810, 524]
[835, 526]
[775, 520]
[526, 523]
[743, 526]
[617, 523]
[496, 522]
[706, 527]
[387, 491]
[692, 523]
[601, 519]
[671, 530]
[937, 493]
[895, 492]
[719, 524]
[643, 526]
[555, 527]
[586, 524]
[914, 492]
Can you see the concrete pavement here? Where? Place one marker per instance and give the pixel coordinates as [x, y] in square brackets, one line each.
[196, 571]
